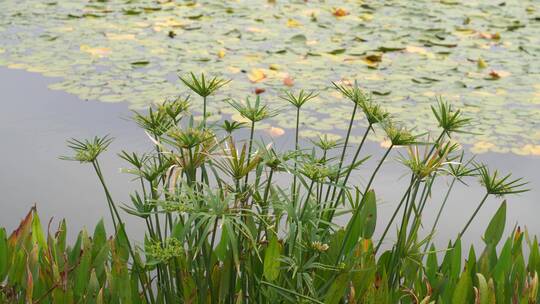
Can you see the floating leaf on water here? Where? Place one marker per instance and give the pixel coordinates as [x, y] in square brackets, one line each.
[482, 147]
[116, 37]
[366, 17]
[482, 64]
[253, 29]
[386, 49]
[425, 80]
[140, 63]
[288, 81]
[95, 51]
[221, 53]
[132, 12]
[256, 75]
[275, 131]
[195, 17]
[372, 60]
[293, 23]
[274, 67]
[494, 75]
[340, 12]
[300, 39]
[337, 51]
[494, 36]
[381, 93]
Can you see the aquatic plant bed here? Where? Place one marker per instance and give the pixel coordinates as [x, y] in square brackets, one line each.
[231, 219]
[482, 56]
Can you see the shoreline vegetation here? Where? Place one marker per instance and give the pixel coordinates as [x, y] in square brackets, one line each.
[219, 229]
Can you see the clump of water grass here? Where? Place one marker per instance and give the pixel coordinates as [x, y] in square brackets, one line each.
[233, 220]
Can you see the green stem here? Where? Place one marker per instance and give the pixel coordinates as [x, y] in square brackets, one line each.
[252, 131]
[473, 215]
[307, 199]
[293, 193]
[439, 214]
[346, 179]
[265, 200]
[298, 219]
[204, 111]
[377, 169]
[97, 169]
[394, 216]
[345, 146]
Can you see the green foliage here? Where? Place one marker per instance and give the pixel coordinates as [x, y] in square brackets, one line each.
[220, 229]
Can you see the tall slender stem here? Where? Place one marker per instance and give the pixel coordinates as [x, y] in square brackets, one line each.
[377, 168]
[204, 111]
[293, 192]
[393, 216]
[252, 131]
[345, 144]
[346, 179]
[307, 199]
[473, 215]
[113, 207]
[265, 200]
[439, 214]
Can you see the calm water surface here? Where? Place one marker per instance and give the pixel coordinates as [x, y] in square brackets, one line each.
[35, 122]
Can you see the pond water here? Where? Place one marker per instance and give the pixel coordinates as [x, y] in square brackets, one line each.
[76, 68]
[35, 122]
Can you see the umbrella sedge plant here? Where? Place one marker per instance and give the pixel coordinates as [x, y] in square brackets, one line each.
[234, 220]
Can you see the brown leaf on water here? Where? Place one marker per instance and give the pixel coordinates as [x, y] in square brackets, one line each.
[498, 74]
[340, 12]
[288, 81]
[490, 36]
[372, 60]
[374, 57]
[259, 90]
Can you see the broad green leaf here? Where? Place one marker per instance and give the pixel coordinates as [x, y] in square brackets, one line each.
[483, 290]
[337, 289]
[4, 251]
[471, 261]
[272, 258]
[455, 267]
[369, 216]
[463, 290]
[122, 244]
[432, 265]
[495, 229]
[82, 273]
[221, 249]
[504, 263]
[356, 224]
[37, 232]
[99, 239]
[534, 257]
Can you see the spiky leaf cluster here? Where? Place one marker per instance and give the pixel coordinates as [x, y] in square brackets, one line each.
[203, 86]
[253, 111]
[88, 150]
